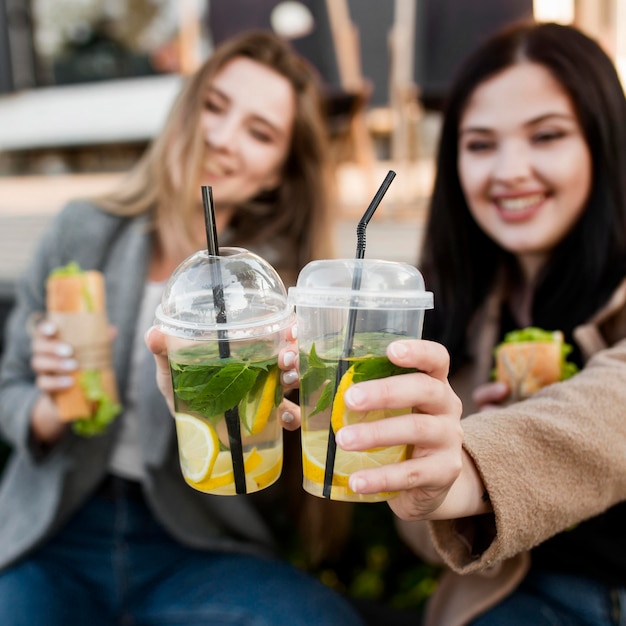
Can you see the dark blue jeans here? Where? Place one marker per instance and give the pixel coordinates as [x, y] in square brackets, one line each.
[113, 564]
[549, 599]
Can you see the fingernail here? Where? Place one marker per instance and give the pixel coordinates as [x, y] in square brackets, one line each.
[64, 349]
[289, 358]
[398, 350]
[290, 377]
[69, 365]
[47, 328]
[357, 484]
[354, 396]
[294, 332]
[345, 438]
[65, 381]
[287, 417]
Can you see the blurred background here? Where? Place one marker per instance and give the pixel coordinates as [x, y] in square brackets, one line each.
[86, 84]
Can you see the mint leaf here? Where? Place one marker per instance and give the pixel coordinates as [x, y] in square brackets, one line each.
[377, 367]
[326, 399]
[279, 393]
[222, 388]
[190, 380]
[316, 373]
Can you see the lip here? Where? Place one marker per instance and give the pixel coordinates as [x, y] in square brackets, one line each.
[215, 170]
[519, 207]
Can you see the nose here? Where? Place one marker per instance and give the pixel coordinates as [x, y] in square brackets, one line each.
[512, 162]
[221, 132]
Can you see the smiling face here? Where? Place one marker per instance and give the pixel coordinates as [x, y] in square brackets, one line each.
[523, 161]
[246, 123]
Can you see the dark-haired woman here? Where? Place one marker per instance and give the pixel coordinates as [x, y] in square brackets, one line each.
[527, 227]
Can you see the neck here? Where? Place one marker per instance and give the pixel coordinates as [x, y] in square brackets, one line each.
[171, 247]
[522, 295]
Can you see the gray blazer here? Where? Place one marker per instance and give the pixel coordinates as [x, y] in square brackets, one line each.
[40, 490]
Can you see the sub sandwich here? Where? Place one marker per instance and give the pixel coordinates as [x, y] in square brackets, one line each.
[532, 358]
[75, 301]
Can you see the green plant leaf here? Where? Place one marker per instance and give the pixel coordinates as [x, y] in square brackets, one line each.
[377, 367]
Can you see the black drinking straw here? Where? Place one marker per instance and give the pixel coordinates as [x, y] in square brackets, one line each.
[231, 415]
[343, 364]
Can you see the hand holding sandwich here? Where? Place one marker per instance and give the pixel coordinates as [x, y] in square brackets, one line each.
[71, 357]
[54, 365]
[526, 361]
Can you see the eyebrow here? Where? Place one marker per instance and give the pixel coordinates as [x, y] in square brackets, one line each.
[212, 90]
[568, 117]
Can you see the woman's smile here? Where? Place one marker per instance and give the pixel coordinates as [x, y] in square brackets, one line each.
[524, 164]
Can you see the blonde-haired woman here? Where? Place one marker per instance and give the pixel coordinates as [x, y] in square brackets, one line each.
[103, 530]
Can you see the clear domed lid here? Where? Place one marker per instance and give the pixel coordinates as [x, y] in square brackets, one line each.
[379, 285]
[237, 294]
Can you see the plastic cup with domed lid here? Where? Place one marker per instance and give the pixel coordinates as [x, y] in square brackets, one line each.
[348, 311]
[225, 319]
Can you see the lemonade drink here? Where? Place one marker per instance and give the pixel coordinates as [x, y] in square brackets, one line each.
[321, 404]
[225, 317]
[205, 388]
[348, 311]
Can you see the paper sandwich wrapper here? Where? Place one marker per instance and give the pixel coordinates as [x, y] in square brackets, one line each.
[76, 304]
[528, 366]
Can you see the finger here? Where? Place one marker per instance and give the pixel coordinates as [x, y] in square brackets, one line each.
[36, 324]
[424, 432]
[419, 390]
[290, 379]
[46, 328]
[53, 347]
[490, 393]
[292, 333]
[288, 358]
[164, 381]
[51, 384]
[427, 356]
[156, 341]
[52, 365]
[427, 477]
[289, 413]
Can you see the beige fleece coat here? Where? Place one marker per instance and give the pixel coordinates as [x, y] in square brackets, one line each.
[549, 462]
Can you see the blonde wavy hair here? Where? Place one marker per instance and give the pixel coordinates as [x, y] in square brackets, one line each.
[296, 214]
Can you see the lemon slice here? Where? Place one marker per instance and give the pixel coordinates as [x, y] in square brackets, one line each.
[198, 446]
[222, 473]
[269, 470]
[314, 446]
[342, 416]
[339, 406]
[256, 408]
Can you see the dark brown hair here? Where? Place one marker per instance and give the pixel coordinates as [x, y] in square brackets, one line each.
[460, 261]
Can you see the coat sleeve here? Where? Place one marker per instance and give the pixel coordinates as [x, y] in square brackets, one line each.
[548, 463]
